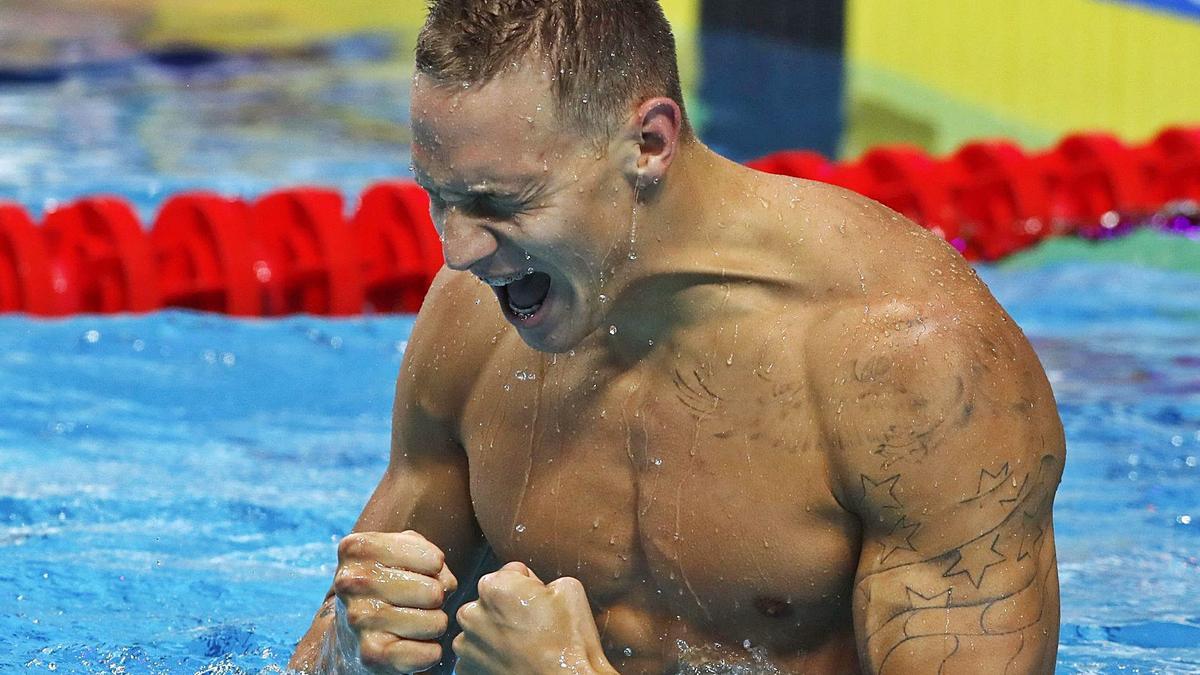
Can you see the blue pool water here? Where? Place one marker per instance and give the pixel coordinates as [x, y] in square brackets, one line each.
[172, 485]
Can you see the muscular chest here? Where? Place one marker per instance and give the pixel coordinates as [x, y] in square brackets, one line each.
[687, 487]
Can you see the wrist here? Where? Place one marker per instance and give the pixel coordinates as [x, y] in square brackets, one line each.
[339, 652]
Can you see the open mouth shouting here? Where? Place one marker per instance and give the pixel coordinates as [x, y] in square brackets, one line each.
[522, 296]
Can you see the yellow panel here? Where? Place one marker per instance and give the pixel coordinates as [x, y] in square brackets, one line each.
[283, 24]
[262, 23]
[684, 16]
[1049, 65]
[274, 23]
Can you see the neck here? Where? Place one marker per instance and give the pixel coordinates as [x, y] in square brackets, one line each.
[686, 235]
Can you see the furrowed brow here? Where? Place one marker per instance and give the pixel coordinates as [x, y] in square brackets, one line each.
[523, 189]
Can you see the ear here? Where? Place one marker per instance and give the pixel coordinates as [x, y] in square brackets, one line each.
[654, 130]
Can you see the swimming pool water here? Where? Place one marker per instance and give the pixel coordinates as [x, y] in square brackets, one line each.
[172, 485]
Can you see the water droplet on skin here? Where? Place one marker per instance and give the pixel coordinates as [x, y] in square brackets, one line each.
[596, 523]
[525, 375]
[603, 298]
[520, 527]
[658, 461]
[612, 330]
[628, 652]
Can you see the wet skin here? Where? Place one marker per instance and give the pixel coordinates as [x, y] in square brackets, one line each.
[796, 430]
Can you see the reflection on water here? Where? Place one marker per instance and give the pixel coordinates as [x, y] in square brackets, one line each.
[196, 471]
[84, 110]
[714, 660]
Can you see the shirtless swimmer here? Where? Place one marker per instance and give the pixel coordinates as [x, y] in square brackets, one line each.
[763, 422]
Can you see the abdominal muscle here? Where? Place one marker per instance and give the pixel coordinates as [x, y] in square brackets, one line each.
[642, 640]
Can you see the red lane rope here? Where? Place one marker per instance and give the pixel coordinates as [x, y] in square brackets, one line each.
[295, 250]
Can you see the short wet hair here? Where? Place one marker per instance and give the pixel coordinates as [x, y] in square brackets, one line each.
[609, 55]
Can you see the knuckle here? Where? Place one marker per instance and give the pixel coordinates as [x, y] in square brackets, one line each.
[372, 654]
[412, 655]
[351, 546]
[346, 581]
[466, 614]
[566, 584]
[432, 593]
[441, 622]
[358, 614]
[448, 579]
[489, 583]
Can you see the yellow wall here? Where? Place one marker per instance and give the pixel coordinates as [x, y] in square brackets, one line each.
[271, 23]
[942, 71]
[282, 24]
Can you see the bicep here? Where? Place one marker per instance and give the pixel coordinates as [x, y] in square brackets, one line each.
[426, 485]
[948, 449]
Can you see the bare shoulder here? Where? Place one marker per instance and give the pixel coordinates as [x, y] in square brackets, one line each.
[455, 333]
[933, 401]
[945, 442]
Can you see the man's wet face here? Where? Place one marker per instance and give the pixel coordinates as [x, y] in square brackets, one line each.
[520, 201]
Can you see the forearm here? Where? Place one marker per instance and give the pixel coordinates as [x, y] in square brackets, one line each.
[309, 653]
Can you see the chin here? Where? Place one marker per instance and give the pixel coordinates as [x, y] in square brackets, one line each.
[566, 325]
[554, 342]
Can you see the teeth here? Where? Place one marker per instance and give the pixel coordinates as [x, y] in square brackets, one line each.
[504, 281]
[526, 312]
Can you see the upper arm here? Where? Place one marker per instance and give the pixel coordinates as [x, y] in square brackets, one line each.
[426, 487]
[947, 446]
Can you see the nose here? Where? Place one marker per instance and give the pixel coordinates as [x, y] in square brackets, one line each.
[465, 240]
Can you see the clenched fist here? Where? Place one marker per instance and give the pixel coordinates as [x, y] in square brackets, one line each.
[520, 625]
[390, 588]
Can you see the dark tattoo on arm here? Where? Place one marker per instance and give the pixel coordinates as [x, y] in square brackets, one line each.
[922, 616]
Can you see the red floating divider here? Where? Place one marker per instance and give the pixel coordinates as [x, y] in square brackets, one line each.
[795, 163]
[1178, 155]
[100, 258]
[307, 251]
[293, 250]
[999, 197]
[854, 176]
[205, 255]
[1090, 175]
[911, 182]
[24, 265]
[397, 246]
